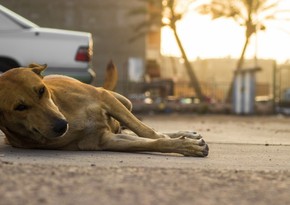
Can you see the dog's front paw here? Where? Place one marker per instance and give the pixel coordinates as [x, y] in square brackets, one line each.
[195, 148]
[183, 145]
[186, 134]
[191, 135]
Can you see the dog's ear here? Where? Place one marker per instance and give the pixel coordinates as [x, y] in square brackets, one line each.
[37, 68]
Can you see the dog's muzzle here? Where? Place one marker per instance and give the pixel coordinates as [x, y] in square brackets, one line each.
[60, 127]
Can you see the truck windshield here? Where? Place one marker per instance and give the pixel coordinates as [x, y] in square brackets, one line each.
[23, 22]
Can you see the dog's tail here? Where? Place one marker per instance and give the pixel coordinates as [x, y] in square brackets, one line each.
[111, 76]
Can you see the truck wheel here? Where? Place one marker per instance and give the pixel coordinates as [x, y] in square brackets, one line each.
[4, 66]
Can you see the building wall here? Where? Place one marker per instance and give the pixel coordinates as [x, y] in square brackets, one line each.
[107, 20]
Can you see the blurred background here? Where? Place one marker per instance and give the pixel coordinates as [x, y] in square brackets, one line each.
[204, 56]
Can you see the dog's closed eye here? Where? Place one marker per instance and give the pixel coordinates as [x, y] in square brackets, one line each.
[21, 107]
[41, 91]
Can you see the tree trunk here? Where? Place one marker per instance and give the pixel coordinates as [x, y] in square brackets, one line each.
[242, 57]
[239, 67]
[193, 79]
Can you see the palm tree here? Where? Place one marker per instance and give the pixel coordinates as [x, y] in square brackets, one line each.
[251, 14]
[164, 13]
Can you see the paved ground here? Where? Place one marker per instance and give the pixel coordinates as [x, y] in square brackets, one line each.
[248, 163]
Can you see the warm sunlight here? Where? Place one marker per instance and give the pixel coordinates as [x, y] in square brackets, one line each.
[205, 38]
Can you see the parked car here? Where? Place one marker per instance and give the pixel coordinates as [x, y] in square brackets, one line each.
[65, 52]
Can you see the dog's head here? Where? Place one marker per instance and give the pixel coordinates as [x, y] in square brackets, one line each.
[27, 111]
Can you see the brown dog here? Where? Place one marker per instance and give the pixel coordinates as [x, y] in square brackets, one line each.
[58, 112]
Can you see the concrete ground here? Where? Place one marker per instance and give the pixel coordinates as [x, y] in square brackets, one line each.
[248, 163]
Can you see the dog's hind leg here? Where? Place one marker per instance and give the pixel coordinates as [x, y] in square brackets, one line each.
[161, 142]
[120, 112]
[129, 143]
[123, 100]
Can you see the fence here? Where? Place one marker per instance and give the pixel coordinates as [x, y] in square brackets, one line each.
[166, 96]
[212, 90]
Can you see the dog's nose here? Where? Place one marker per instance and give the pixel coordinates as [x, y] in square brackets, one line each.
[60, 126]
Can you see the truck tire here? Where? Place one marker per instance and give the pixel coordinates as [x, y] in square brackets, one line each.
[6, 65]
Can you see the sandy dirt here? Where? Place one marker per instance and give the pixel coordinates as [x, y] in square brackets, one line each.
[249, 163]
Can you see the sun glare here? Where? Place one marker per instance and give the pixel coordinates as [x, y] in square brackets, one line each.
[204, 38]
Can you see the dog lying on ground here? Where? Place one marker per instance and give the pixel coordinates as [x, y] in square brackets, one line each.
[59, 112]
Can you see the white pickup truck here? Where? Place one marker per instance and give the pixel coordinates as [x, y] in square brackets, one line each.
[65, 52]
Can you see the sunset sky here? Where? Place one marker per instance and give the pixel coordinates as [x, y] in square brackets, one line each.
[205, 38]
